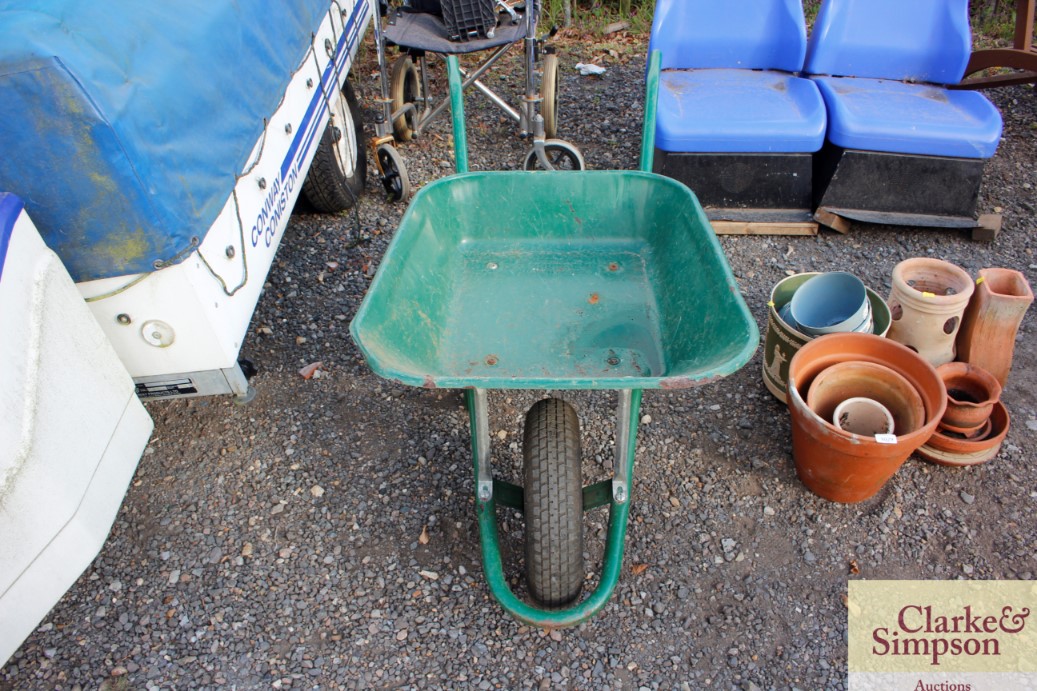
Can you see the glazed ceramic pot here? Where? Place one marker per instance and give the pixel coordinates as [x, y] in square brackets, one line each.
[991, 321]
[926, 304]
[784, 340]
[835, 302]
[867, 380]
[946, 449]
[836, 464]
[971, 395]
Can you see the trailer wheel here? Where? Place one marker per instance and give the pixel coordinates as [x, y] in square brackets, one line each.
[405, 89]
[337, 173]
[553, 502]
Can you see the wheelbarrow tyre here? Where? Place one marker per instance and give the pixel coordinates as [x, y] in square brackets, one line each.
[395, 178]
[404, 88]
[553, 499]
[339, 168]
[561, 154]
[549, 92]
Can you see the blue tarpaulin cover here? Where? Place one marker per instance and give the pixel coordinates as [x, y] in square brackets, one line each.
[123, 123]
[10, 209]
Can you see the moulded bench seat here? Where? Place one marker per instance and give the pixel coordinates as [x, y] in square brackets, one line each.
[899, 117]
[902, 149]
[738, 111]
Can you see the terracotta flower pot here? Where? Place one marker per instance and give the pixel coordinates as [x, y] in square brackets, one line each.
[980, 432]
[863, 416]
[987, 335]
[971, 394]
[945, 449]
[926, 303]
[867, 380]
[845, 467]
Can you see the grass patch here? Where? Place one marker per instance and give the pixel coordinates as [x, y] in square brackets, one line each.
[593, 16]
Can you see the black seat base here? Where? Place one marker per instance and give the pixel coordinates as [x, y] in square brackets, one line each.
[744, 187]
[898, 189]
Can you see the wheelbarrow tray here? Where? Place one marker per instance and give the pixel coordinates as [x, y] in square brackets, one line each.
[555, 280]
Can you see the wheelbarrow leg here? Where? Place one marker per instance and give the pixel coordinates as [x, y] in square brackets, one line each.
[486, 510]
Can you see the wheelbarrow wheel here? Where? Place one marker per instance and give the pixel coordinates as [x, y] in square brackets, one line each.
[339, 167]
[553, 503]
[561, 154]
[405, 88]
[394, 173]
[549, 92]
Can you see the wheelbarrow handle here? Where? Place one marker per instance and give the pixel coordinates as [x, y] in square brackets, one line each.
[457, 113]
[647, 131]
[651, 107]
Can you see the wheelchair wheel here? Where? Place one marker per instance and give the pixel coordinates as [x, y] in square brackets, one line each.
[404, 88]
[394, 173]
[561, 154]
[549, 92]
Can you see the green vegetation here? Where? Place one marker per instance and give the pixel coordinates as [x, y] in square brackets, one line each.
[810, 8]
[595, 15]
[992, 20]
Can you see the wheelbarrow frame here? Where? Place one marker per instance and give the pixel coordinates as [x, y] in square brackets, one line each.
[383, 350]
[615, 492]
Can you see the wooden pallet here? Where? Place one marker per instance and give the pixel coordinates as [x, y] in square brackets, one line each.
[764, 228]
[987, 225]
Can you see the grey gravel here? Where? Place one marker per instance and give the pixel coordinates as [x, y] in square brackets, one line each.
[234, 573]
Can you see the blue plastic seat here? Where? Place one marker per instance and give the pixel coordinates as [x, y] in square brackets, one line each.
[730, 110]
[884, 63]
[727, 83]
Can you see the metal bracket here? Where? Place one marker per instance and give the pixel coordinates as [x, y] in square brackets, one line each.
[510, 10]
[620, 478]
[538, 142]
[481, 432]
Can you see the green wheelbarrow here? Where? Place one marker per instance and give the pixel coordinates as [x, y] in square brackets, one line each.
[554, 280]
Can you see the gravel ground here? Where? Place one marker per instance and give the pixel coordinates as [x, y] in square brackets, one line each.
[325, 534]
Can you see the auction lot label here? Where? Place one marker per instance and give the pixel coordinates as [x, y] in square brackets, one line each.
[942, 635]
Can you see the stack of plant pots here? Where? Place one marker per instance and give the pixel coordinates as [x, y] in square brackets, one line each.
[842, 465]
[975, 423]
[861, 404]
[785, 336]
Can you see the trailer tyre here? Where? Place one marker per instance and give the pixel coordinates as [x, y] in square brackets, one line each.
[553, 503]
[337, 173]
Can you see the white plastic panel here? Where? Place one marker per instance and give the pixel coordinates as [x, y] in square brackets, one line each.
[71, 434]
